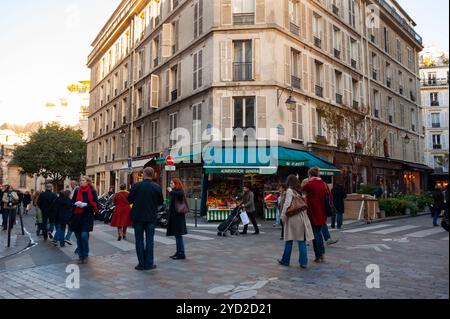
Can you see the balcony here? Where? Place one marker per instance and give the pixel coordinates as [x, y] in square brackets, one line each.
[335, 10]
[296, 82]
[354, 63]
[389, 82]
[435, 103]
[244, 18]
[437, 146]
[155, 62]
[295, 28]
[174, 95]
[436, 125]
[376, 113]
[337, 54]
[242, 71]
[339, 98]
[319, 90]
[434, 82]
[318, 42]
[355, 104]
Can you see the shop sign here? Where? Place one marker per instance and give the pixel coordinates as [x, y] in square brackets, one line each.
[292, 163]
[256, 170]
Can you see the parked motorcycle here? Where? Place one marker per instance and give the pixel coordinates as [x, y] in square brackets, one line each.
[162, 219]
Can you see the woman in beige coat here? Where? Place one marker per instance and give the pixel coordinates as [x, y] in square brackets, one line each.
[297, 227]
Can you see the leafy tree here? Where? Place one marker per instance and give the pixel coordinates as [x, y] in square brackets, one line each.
[53, 152]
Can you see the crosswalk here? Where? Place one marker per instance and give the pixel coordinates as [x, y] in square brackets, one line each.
[406, 231]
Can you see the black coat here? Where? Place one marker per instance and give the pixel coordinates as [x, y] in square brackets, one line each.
[339, 195]
[83, 223]
[26, 199]
[145, 197]
[177, 222]
[64, 210]
[438, 200]
[45, 203]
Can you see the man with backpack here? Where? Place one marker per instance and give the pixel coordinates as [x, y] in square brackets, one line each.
[45, 203]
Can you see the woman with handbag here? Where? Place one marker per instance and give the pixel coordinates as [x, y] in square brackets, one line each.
[122, 212]
[296, 223]
[178, 208]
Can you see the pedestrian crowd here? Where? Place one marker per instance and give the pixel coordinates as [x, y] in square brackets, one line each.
[302, 212]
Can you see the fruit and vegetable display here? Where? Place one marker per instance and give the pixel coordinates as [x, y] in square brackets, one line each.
[270, 199]
[223, 195]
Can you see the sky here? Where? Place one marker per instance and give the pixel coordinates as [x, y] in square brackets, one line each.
[44, 46]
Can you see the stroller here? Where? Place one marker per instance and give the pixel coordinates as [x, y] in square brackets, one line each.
[231, 224]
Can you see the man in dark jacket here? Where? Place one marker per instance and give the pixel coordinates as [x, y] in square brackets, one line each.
[145, 197]
[438, 204]
[45, 203]
[1, 208]
[339, 195]
[248, 202]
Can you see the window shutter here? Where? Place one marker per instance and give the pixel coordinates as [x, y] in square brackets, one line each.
[305, 80]
[333, 84]
[226, 12]
[260, 11]
[287, 65]
[167, 85]
[196, 21]
[225, 60]
[154, 84]
[327, 94]
[256, 59]
[179, 80]
[331, 36]
[430, 142]
[303, 22]
[313, 123]
[299, 112]
[444, 141]
[200, 68]
[167, 40]
[347, 90]
[287, 20]
[325, 35]
[309, 28]
[200, 17]
[445, 120]
[194, 73]
[226, 117]
[262, 117]
[312, 74]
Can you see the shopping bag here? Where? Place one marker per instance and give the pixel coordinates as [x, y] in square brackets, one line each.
[244, 218]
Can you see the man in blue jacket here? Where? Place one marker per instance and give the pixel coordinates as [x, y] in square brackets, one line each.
[145, 197]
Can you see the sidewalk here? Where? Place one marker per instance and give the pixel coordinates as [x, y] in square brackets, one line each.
[18, 241]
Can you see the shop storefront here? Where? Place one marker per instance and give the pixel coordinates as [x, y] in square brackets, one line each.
[263, 169]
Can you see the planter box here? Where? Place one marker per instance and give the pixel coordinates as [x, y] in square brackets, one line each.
[353, 205]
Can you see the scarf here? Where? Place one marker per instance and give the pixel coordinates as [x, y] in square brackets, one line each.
[85, 189]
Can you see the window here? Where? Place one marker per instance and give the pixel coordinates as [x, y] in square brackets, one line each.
[198, 19]
[297, 123]
[400, 82]
[244, 112]
[243, 12]
[243, 56]
[139, 103]
[391, 110]
[156, 51]
[338, 85]
[293, 16]
[432, 78]
[413, 120]
[173, 124]
[123, 111]
[352, 13]
[410, 59]
[154, 138]
[374, 62]
[391, 145]
[354, 52]
[337, 42]
[23, 181]
[138, 141]
[388, 75]
[356, 93]
[437, 142]
[386, 41]
[435, 120]
[125, 76]
[141, 66]
[175, 36]
[317, 30]
[174, 76]
[296, 69]
[434, 99]
[402, 115]
[438, 162]
[399, 51]
[198, 70]
[197, 123]
[319, 78]
[376, 101]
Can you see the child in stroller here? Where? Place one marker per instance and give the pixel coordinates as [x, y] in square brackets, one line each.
[231, 224]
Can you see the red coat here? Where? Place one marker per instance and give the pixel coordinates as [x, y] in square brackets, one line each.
[315, 199]
[122, 212]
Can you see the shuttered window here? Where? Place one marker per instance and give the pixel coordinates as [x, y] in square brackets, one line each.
[297, 123]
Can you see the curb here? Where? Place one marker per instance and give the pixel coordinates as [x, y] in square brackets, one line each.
[380, 220]
[28, 243]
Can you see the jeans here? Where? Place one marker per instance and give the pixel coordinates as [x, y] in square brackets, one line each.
[302, 250]
[436, 213]
[252, 217]
[319, 248]
[180, 246]
[325, 232]
[144, 253]
[83, 244]
[340, 219]
[9, 214]
[60, 231]
[278, 219]
[69, 234]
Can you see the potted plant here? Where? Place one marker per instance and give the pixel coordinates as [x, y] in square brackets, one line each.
[342, 144]
[358, 148]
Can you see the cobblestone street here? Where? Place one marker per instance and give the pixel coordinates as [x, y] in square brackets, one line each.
[413, 260]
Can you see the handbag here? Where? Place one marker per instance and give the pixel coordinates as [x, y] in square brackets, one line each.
[329, 206]
[244, 218]
[297, 206]
[181, 206]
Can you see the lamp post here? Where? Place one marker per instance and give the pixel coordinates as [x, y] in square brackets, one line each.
[291, 103]
[407, 139]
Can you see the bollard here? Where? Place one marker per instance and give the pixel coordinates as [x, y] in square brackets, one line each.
[195, 212]
[21, 222]
[8, 223]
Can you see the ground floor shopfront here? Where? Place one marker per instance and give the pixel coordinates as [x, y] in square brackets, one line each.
[393, 176]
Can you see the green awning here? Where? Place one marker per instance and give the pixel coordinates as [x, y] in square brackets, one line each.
[182, 158]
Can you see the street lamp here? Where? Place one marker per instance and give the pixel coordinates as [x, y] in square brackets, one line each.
[290, 103]
[407, 139]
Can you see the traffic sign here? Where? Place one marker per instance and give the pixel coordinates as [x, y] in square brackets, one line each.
[170, 161]
[170, 168]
